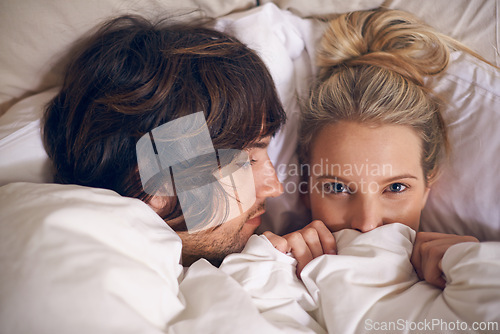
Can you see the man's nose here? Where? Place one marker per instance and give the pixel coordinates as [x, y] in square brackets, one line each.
[267, 183]
[367, 214]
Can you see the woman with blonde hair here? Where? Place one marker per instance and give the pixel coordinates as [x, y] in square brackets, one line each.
[372, 137]
[376, 131]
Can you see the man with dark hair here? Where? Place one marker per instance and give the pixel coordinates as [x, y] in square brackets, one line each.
[133, 76]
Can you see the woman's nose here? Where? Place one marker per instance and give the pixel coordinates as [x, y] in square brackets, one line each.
[266, 181]
[367, 214]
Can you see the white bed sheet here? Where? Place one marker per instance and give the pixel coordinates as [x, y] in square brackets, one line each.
[82, 260]
[79, 260]
[371, 283]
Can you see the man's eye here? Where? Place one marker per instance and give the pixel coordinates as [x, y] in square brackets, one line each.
[397, 187]
[335, 188]
[244, 164]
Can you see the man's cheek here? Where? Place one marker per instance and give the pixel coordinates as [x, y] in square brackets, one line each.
[239, 187]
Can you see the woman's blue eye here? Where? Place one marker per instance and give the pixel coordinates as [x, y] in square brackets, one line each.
[335, 188]
[397, 187]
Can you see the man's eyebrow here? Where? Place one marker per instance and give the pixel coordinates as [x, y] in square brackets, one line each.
[332, 177]
[258, 144]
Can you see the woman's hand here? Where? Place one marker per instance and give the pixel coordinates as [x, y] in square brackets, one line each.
[305, 244]
[428, 251]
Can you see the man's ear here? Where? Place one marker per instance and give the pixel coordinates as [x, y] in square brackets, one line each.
[163, 206]
[156, 203]
[160, 204]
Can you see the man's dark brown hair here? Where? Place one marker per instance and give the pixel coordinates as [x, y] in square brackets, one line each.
[132, 76]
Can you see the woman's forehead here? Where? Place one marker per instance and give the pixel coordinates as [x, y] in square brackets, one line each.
[358, 146]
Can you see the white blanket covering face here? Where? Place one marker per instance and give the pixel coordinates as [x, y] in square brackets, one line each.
[372, 284]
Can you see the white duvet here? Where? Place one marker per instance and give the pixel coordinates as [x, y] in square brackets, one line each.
[82, 260]
[371, 284]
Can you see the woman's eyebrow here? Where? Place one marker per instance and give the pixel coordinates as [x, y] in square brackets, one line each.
[399, 177]
[388, 180]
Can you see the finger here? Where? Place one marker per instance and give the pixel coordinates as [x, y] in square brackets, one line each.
[437, 281]
[432, 273]
[326, 237]
[278, 242]
[300, 250]
[426, 256]
[417, 264]
[420, 239]
[312, 240]
[468, 238]
[428, 252]
[416, 257]
[429, 236]
[432, 254]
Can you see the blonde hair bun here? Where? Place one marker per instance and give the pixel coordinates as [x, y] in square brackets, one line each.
[391, 39]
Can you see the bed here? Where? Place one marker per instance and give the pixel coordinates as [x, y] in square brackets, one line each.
[76, 259]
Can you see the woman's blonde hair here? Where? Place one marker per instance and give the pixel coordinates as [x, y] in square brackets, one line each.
[372, 68]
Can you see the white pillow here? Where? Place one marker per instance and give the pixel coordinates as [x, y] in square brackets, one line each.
[324, 7]
[22, 156]
[475, 23]
[465, 199]
[35, 34]
[84, 260]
